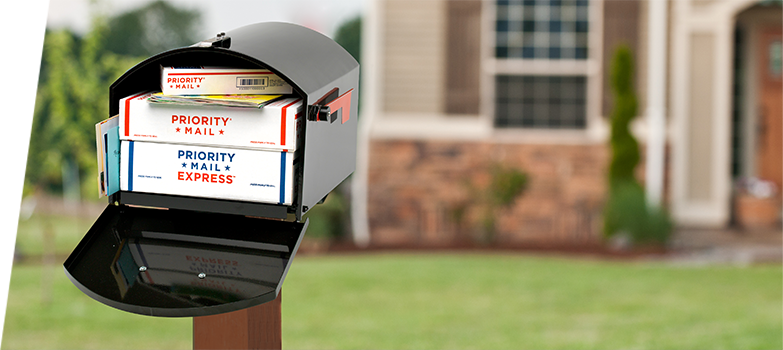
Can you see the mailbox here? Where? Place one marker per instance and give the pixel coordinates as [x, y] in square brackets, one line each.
[187, 255]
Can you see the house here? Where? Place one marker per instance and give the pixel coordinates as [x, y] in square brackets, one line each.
[455, 89]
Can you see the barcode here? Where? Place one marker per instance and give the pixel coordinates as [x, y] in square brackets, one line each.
[251, 81]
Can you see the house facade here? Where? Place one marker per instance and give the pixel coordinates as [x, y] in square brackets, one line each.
[456, 92]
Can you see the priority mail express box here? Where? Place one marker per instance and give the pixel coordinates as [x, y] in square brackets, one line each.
[221, 81]
[209, 172]
[273, 127]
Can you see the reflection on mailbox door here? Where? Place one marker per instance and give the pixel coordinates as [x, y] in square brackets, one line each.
[173, 242]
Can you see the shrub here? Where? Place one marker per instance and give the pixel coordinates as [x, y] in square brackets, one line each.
[505, 186]
[327, 220]
[627, 210]
[625, 149]
[627, 213]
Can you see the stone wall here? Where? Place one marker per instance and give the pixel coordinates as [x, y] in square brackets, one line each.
[433, 193]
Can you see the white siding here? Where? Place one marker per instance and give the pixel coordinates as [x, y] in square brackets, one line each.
[413, 74]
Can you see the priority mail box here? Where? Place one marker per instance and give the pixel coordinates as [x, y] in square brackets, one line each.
[273, 127]
[209, 172]
[221, 81]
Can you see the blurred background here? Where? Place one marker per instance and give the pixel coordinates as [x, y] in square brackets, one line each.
[530, 174]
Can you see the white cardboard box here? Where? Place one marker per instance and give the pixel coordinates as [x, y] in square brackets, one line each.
[209, 172]
[221, 81]
[273, 127]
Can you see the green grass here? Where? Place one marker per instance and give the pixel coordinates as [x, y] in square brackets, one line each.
[511, 302]
[437, 301]
[72, 320]
[66, 232]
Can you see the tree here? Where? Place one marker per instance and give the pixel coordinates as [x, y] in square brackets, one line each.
[73, 90]
[56, 124]
[625, 149]
[349, 36]
[152, 29]
[626, 211]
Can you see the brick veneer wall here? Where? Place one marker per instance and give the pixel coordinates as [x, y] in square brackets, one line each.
[429, 192]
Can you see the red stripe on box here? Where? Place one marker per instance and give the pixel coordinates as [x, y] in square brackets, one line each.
[149, 277]
[283, 122]
[127, 112]
[221, 73]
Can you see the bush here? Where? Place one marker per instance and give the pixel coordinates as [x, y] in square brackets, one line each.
[327, 220]
[627, 213]
[625, 149]
[507, 184]
[627, 210]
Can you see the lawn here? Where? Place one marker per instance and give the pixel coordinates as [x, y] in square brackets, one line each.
[445, 301]
[510, 302]
[65, 231]
[71, 320]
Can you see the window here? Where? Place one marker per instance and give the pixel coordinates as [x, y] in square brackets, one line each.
[541, 31]
[540, 101]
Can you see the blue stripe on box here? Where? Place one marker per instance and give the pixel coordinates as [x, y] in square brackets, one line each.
[141, 254]
[282, 177]
[130, 166]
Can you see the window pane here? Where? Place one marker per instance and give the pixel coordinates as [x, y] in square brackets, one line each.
[535, 24]
[550, 102]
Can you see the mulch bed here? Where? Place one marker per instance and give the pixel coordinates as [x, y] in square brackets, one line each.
[591, 250]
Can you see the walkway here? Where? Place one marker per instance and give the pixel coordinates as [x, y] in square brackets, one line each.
[730, 246]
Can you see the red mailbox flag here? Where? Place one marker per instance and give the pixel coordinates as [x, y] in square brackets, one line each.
[343, 102]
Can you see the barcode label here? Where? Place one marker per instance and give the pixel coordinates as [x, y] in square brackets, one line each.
[251, 81]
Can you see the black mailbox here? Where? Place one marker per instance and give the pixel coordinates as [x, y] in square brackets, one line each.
[166, 255]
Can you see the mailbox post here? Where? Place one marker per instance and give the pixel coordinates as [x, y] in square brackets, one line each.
[193, 256]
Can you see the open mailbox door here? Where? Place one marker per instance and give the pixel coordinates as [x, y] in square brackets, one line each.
[190, 255]
[182, 263]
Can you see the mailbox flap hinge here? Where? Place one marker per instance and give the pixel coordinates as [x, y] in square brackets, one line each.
[220, 40]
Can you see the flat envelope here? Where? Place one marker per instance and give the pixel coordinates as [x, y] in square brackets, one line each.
[113, 160]
[102, 135]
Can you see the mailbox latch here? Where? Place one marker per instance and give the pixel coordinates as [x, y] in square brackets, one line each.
[220, 40]
[318, 113]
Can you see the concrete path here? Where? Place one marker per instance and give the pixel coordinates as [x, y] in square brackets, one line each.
[728, 246]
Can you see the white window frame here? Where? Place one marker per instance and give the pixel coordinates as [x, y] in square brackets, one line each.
[596, 129]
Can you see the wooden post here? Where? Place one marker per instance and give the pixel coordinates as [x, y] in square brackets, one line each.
[257, 327]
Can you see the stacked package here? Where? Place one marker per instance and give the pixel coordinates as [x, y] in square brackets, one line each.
[168, 144]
